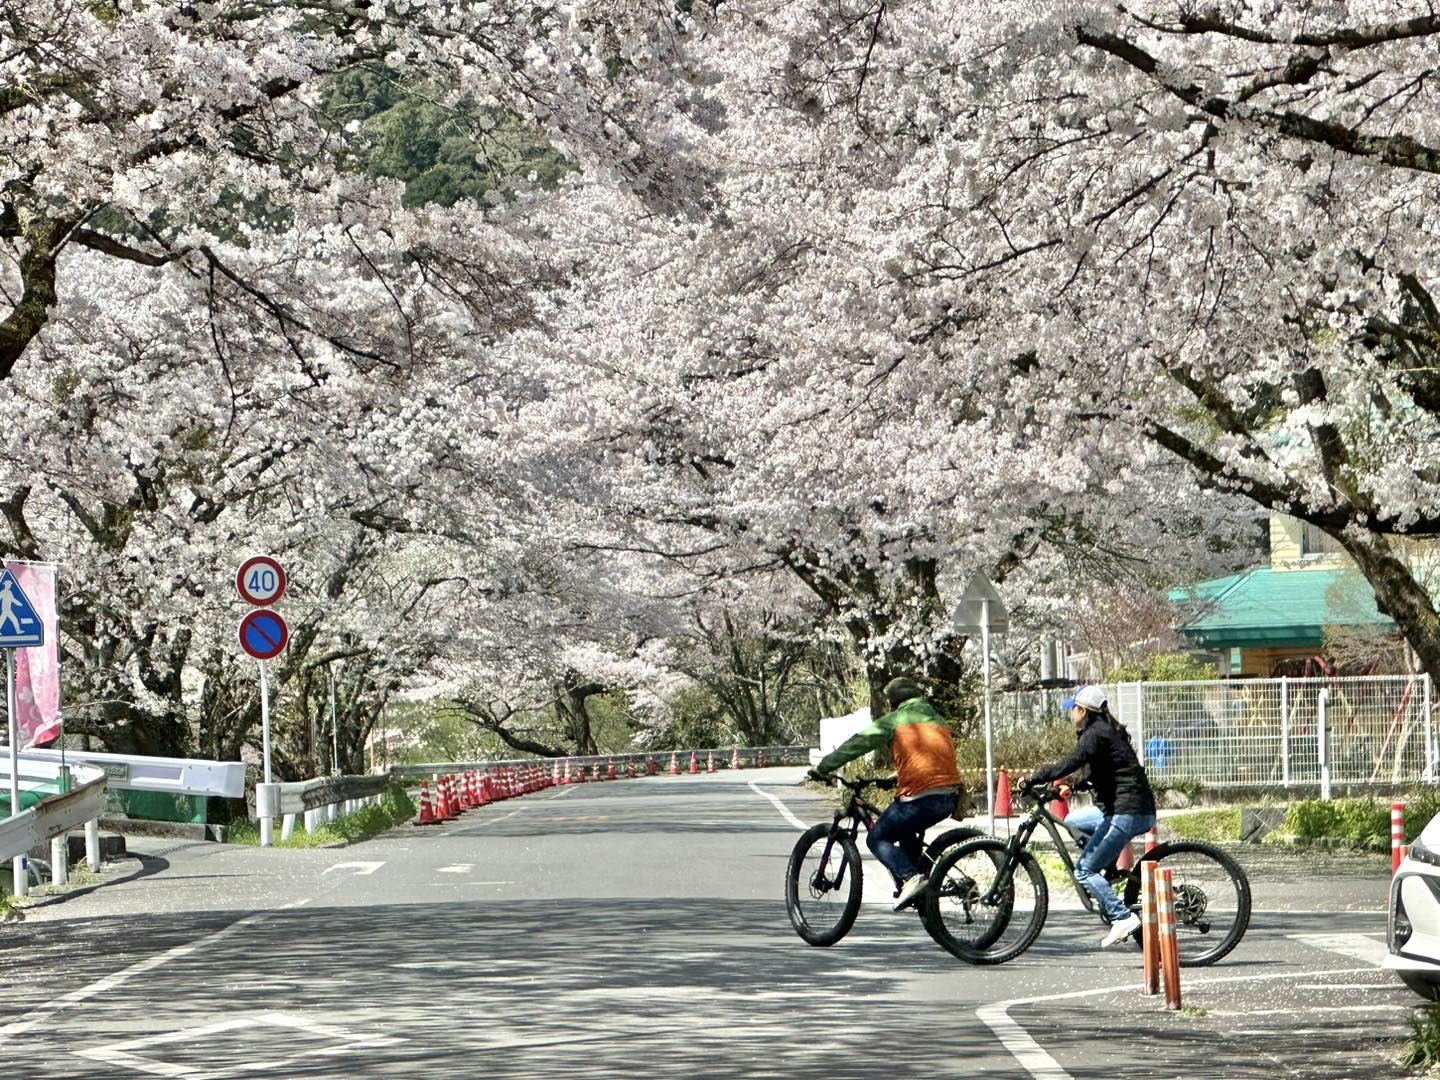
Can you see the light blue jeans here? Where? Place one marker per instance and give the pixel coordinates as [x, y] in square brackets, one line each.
[1106, 837]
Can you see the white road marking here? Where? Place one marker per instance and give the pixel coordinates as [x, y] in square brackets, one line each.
[784, 810]
[561, 794]
[1326, 1009]
[1038, 1062]
[1360, 947]
[338, 1042]
[456, 868]
[110, 982]
[502, 817]
[360, 868]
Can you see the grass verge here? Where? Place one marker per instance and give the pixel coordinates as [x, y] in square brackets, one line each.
[394, 807]
[1205, 825]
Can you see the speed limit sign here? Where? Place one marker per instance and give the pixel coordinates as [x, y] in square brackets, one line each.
[260, 581]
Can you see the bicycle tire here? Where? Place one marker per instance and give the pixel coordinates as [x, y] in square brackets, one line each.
[1221, 892]
[807, 884]
[951, 838]
[967, 872]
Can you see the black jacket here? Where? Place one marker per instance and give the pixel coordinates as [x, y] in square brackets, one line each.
[1121, 786]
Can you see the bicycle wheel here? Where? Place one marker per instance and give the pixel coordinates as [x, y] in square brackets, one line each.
[980, 920]
[1212, 899]
[822, 886]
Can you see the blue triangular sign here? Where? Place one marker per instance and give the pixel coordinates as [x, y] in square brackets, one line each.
[20, 627]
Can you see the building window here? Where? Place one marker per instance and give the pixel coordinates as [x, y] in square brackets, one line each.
[1314, 541]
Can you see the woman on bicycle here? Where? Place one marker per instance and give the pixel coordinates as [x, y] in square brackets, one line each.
[929, 780]
[1124, 802]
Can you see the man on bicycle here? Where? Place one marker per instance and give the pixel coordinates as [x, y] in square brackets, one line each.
[929, 781]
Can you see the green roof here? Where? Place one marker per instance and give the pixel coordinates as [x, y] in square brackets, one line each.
[1265, 607]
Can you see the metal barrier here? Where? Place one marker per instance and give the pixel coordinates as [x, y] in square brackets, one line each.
[53, 817]
[322, 799]
[1265, 732]
[173, 776]
[756, 756]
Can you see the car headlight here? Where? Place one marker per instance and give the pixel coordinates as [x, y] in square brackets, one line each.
[1400, 928]
[1420, 853]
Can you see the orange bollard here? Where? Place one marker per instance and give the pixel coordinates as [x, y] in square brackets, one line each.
[1150, 841]
[1169, 947]
[1397, 836]
[1002, 794]
[1149, 931]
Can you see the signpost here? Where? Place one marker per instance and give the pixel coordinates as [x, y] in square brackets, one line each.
[982, 611]
[20, 628]
[263, 635]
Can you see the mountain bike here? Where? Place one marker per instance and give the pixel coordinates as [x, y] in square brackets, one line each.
[823, 879]
[989, 897]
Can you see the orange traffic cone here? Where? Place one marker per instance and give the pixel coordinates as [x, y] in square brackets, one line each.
[427, 811]
[674, 766]
[710, 762]
[735, 758]
[568, 778]
[1061, 807]
[610, 773]
[694, 763]
[1150, 840]
[1126, 859]
[759, 759]
[1002, 794]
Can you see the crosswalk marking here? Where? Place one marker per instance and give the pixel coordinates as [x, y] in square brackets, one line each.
[456, 868]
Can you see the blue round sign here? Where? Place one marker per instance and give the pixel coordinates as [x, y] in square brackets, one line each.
[263, 634]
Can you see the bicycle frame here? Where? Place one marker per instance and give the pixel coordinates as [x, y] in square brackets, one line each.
[860, 813]
[1037, 817]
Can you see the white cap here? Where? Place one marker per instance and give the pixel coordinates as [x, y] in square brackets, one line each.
[1092, 697]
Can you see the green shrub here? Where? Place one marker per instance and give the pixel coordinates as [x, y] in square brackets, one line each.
[1363, 822]
[1422, 1049]
[1421, 804]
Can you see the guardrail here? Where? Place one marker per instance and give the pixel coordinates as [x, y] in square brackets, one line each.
[322, 799]
[748, 757]
[173, 776]
[52, 818]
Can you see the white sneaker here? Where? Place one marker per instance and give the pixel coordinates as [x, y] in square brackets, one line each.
[913, 887]
[1121, 930]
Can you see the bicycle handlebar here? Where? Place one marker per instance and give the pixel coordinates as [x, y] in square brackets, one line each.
[860, 785]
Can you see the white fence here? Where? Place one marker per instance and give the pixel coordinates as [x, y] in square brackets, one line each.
[1242, 732]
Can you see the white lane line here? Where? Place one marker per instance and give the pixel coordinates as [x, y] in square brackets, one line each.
[784, 810]
[110, 982]
[1360, 947]
[1038, 1062]
[361, 869]
[502, 817]
[456, 868]
[1326, 1009]
[562, 794]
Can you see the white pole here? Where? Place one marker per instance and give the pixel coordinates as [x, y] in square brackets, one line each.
[989, 729]
[1324, 743]
[267, 824]
[59, 860]
[92, 844]
[1428, 772]
[1285, 730]
[1140, 719]
[17, 865]
[334, 726]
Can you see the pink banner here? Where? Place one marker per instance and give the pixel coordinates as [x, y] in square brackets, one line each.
[37, 671]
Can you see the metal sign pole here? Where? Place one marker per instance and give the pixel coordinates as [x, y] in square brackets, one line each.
[267, 824]
[18, 874]
[989, 729]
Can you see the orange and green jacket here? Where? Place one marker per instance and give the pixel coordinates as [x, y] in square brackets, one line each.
[919, 741]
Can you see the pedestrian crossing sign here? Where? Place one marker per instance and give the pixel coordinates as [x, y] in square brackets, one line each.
[20, 626]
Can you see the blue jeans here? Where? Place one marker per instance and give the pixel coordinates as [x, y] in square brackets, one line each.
[898, 837]
[1106, 837]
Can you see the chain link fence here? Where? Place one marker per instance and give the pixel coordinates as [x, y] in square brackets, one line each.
[1261, 732]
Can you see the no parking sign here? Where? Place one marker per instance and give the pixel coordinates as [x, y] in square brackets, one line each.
[263, 634]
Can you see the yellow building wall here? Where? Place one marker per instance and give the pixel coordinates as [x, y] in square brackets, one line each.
[1285, 551]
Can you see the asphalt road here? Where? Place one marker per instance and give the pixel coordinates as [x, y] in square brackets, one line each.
[637, 928]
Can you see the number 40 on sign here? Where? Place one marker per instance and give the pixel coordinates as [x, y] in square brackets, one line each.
[260, 581]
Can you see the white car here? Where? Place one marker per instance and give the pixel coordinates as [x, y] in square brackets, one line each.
[1414, 931]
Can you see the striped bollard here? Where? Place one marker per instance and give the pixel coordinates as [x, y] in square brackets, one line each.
[1397, 836]
[1151, 838]
[1169, 947]
[1149, 931]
